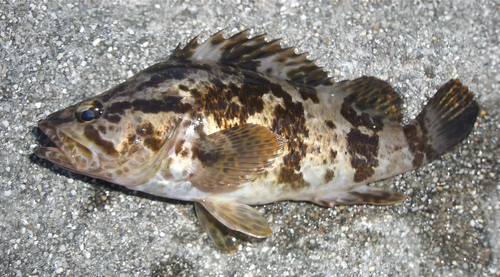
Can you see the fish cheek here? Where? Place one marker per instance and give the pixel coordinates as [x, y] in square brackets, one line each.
[154, 144]
[106, 146]
[149, 136]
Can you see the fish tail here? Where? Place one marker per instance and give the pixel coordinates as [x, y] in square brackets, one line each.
[445, 121]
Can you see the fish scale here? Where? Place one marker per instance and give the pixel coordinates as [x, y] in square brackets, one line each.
[235, 122]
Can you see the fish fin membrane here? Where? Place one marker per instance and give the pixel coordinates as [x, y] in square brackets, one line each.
[222, 237]
[237, 217]
[363, 195]
[447, 119]
[256, 54]
[369, 101]
[233, 156]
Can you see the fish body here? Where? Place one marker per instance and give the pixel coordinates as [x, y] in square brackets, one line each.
[235, 122]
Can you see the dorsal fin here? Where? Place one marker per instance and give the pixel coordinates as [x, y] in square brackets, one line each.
[369, 101]
[255, 54]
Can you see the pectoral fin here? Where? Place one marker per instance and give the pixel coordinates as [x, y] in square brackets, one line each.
[363, 195]
[238, 217]
[233, 156]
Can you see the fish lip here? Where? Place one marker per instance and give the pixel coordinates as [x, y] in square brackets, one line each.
[60, 155]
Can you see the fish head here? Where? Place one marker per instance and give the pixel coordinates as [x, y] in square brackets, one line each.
[117, 138]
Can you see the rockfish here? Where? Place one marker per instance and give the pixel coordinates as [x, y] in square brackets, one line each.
[235, 122]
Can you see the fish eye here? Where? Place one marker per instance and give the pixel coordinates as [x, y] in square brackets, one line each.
[88, 111]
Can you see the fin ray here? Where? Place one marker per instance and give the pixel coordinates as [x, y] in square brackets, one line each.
[363, 195]
[447, 119]
[258, 55]
[222, 237]
[233, 156]
[369, 96]
[238, 217]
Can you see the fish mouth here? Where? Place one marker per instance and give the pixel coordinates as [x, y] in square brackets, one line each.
[68, 153]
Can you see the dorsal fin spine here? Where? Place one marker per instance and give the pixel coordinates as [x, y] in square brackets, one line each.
[255, 54]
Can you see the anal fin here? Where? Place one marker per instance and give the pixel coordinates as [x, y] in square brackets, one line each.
[363, 195]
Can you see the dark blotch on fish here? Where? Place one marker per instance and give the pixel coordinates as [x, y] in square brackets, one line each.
[145, 129]
[295, 181]
[415, 144]
[329, 175]
[154, 144]
[309, 93]
[330, 124]
[333, 156]
[364, 151]
[350, 114]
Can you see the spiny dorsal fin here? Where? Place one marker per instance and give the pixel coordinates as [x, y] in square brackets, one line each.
[255, 54]
[369, 96]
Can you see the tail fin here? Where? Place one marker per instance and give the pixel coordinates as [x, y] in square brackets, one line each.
[447, 119]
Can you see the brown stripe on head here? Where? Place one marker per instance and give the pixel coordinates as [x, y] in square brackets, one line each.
[165, 104]
[94, 135]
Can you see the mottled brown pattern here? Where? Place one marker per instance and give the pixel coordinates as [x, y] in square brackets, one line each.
[199, 154]
[233, 80]
[217, 100]
[364, 151]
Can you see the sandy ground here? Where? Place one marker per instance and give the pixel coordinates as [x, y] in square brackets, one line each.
[56, 53]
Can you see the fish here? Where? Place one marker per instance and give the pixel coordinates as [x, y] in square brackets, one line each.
[237, 122]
